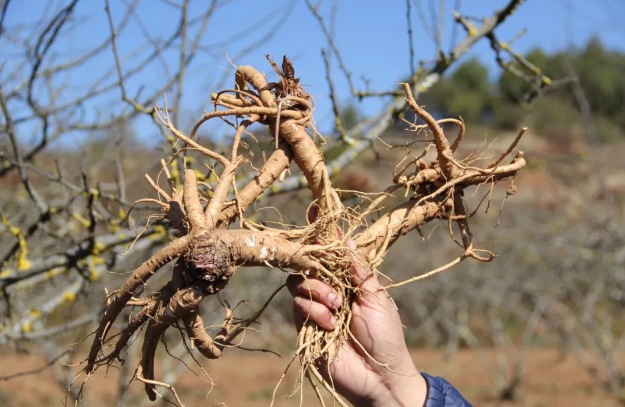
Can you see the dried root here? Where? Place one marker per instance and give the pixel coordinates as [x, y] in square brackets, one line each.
[208, 254]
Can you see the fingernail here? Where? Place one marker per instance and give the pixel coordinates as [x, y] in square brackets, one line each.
[333, 322]
[332, 298]
[339, 302]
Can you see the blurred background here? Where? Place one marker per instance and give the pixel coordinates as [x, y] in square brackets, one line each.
[540, 326]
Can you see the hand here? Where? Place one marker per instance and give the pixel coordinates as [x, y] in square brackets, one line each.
[393, 380]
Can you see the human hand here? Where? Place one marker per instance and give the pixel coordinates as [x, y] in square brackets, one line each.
[386, 376]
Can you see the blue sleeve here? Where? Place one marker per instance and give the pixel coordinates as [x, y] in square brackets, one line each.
[442, 394]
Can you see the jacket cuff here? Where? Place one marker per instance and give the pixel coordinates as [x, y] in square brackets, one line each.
[442, 394]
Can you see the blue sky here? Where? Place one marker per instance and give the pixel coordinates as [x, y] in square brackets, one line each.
[372, 36]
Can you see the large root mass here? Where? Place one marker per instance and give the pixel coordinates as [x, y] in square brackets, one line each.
[208, 252]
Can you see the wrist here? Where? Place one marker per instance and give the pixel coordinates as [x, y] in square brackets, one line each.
[401, 391]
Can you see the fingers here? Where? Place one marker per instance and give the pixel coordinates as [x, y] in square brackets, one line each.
[304, 309]
[313, 300]
[315, 290]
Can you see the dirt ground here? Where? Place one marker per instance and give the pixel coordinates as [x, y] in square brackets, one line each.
[249, 379]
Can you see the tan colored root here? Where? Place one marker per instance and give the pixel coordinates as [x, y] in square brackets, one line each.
[224, 98]
[460, 136]
[319, 346]
[511, 147]
[179, 306]
[251, 110]
[192, 204]
[158, 189]
[279, 161]
[149, 310]
[240, 130]
[129, 288]
[310, 354]
[442, 145]
[168, 177]
[212, 348]
[313, 384]
[153, 335]
[166, 121]
[335, 396]
[310, 160]
[152, 383]
[210, 253]
[399, 221]
[201, 339]
[216, 204]
[429, 273]
[248, 74]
